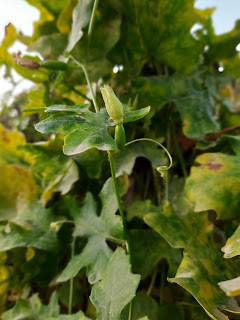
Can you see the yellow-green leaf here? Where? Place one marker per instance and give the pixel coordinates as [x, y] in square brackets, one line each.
[17, 185]
[202, 266]
[6, 273]
[10, 37]
[231, 287]
[214, 184]
[232, 246]
[10, 141]
[30, 228]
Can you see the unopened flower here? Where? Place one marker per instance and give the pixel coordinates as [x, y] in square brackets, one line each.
[113, 105]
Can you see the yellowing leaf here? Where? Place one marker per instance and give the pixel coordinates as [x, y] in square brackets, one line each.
[214, 184]
[9, 143]
[202, 266]
[5, 277]
[62, 182]
[10, 36]
[231, 287]
[65, 17]
[56, 172]
[16, 185]
[36, 100]
[30, 253]
[161, 29]
[232, 247]
[30, 228]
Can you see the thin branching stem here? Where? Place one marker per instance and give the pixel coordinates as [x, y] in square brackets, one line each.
[81, 65]
[163, 275]
[91, 24]
[167, 176]
[70, 302]
[156, 185]
[152, 281]
[113, 173]
[158, 143]
[81, 94]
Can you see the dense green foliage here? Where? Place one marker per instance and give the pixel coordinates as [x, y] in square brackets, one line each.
[68, 250]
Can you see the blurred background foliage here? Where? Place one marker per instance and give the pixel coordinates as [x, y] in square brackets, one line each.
[149, 54]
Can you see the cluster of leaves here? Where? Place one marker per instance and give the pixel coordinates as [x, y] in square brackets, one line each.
[181, 230]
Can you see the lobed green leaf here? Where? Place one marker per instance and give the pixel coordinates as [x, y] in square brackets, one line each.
[117, 287]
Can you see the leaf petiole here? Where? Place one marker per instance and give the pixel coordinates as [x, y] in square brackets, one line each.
[54, 226]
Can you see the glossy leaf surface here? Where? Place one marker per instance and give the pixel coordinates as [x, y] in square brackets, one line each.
[87, 130]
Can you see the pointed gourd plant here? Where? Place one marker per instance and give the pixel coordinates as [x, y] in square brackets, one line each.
[93, 224]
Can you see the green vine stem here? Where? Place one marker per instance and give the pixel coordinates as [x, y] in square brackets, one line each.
[81, 94]
[91, 24]
[88, 82]
[179, 152]
[163, 275]
[110, 156]
[130, 311]
[112, 167]
[167, 176]
[152, 281]
[156, 185]
[70, 301]
[160, 168]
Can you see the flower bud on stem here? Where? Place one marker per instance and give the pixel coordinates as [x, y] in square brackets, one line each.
[115, 110]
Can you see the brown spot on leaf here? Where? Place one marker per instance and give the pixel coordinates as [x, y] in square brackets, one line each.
[6, 28]
[5, 138]
[109, 29]
[214, 166]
